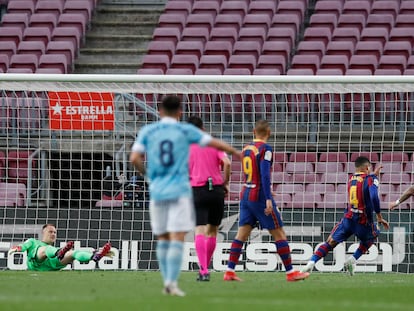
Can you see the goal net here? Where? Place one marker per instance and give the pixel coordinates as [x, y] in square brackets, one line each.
[65, 142]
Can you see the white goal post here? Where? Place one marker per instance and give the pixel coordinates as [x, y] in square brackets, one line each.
[65, 139]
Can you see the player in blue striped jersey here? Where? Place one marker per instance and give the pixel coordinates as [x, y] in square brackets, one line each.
[166, 145]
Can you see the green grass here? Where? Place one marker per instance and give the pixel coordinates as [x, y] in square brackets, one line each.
[122, 290]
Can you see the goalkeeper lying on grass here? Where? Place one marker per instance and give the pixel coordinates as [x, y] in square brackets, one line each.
[43, 256]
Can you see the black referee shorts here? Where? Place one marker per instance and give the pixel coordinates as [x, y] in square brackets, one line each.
[209, 205]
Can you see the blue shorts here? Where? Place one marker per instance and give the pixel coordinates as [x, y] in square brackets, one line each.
[253, 212]
[346, 227]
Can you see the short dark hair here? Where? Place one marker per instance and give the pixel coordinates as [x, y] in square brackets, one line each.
[47, 225]
[171, 103]
[361, 161]
[196, 121]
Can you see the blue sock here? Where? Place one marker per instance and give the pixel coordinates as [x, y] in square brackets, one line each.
[174, 260]
[162, 250]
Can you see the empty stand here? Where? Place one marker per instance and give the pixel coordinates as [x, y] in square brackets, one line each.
[18, 166]
[28, 61]
[200, 21]
[8, 48]
[20, 20]
[224, 34]
[229, 20]
[73, 20]
[352, 21]
[272, 62]
[357, 7]
[27, 7]
[393, 62]
[218, 48]
[14, 34]
[282, 34]
[178, 7]
[247, 48]
[213, 62]
[243, 61]
[320, 34]
[324, 20]
[190, 48]
[365, 62]
[188, 61]
[56, 61]
[346, 48]
[349, 34]
[48, 20]
[211, 8]
[311, 47]
[161, 62]
[309, 62]
[195, 34]
[234, 7]
[373, 48]
[329, 7]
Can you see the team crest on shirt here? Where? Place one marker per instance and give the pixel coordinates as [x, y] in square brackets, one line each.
[268, 155]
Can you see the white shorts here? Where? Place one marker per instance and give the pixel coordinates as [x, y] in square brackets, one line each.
[172, 215]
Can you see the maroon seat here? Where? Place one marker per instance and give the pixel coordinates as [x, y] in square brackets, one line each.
[328, 7]
[195, 34]
[49, 6]
[218, 48]
[31, 47]
[324, 20]
[350, 34]
[224, 34]
[358, 72]
[262, 7]
[156, 61]
[29, 61]
[48, 20]
[229, 20]
[321, 34]
[302, 156]
[213, 62]
[289, 188]
[305, 62]
[381, 20]
[14, 34]
[185, 61]
[272, 62]
[211, 8]
[27, 7]
[150, 71]
[243, 61]
[18, 166]
[286, 21]
[311, 48]
[20, 20]
[299, 167]
[257, 21]
[394, 156]
[373, 48]
[352, 20]
[408, 72]
[247, 48]
[395, 62]
[396, 178]
[208, 71]
[372, 156]
[79, 7]
[329, 72]
[73, 20]
[257, 34]
[200, 21]
[340, 48]
[167, 34]
[402, 34]
[190, 48]
[375, 34]
[179, 71]
[266, 72]
[67, 34]
[41, 34]
[276, 48]
[65, 48]
[237, 71]
[334, 200]
[361, 7]
[341, 157]
[300, 72]
[234, 7]
[385, 7]
[178, 7]
[54, 61]
[404, 20]
[8, 48]
[281, 34]
[4, 62]
[291, 7]
[161, 47]
[320, 188]
[406, 8]
[48, 71]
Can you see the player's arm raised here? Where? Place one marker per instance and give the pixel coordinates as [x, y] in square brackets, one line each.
[221, 145]
[406, 194]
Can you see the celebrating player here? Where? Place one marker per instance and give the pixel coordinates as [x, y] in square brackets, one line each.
[209, 190]
[167, 144]
[43, 256]
[257, 204]
[406, 194]
[358, 219]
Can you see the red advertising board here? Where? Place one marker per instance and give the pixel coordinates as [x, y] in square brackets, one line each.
[87, 111]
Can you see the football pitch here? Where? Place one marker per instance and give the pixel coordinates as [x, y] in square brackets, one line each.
[138, 290]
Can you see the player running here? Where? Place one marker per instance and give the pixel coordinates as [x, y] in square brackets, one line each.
[257, 205]
[43, 256]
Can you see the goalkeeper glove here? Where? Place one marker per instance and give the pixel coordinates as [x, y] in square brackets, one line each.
[14, 249]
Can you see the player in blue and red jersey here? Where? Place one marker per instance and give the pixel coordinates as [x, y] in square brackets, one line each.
[257, 205]
[358, 219]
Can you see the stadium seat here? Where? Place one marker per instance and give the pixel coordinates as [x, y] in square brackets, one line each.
[311, 62]
[299, 167]
[20, 20]
[392, 167]
[291, 7]
[161, 47]
[379, 34]
[27, 7]
[272, 62]
[64, 48]
[109, 203]
[402, 34]
[349, 34]
[262, 7]
[333, 157]
[79, 7]
[211, 8]
[395, 178]
[190, 48]
[408, 72]
[18, 166]
[4, 62]
[358, 72]
[8, 48]
[257, 34]
[48, 71]
[300, 72]
[234, 7]
[363, 62]
[228, 20]
[48, 20]
[31, 47]
[328, 7]
[286, 21]
[195, 34]
[334, 200]
[329, 72]
[335, 177]
[257, 21]
[172, 20]
[406, 8]
[326, 167]
[156, 61]
[340, 48]
[301, 156]
[29, 61]
[323, 20]
[12, 194]
[167, 34]
[381, 20]
[306, 200]
[311, 48]
[37, 34]
[320, 188]
[289, 188]
[178, 7]
[50, 6]
[237, 71]
[321, 34]
[282, 34]
[394, 156]
[357, 7]
[247, 48]
[14, 34]
[187, 61]
[395, 62]
[150, 71]
[179, 71]
[213, 62]
[73, 20]
[267, 72]
[373, 48]
[218, 48]
[242, 61]
[385, 7]
[277, 48]
[372, 156]
[200, 21]
[352, 20]
[404, 20]
[224, 34]
[58, 61]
